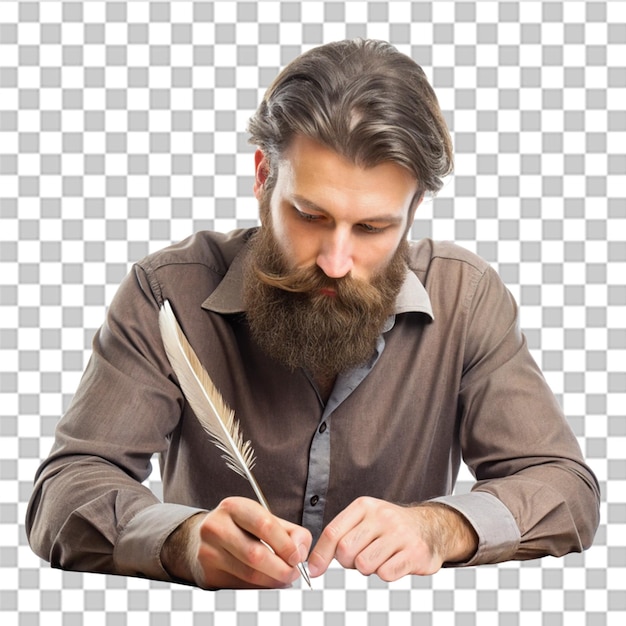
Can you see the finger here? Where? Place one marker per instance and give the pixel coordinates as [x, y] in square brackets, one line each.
[267, 570]
[282, 537]
[375, 554]
[230, 536]
[403, 563]
[301, 538]
[223, 570]
[332, 536]
[395, 567]
[399, 549]
[288, 542]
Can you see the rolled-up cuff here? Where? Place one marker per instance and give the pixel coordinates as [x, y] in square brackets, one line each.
[138, 550]
[495, 526]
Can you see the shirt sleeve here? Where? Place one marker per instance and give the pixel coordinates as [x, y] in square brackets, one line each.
[534, 495]
[495, 526]
[89, 510]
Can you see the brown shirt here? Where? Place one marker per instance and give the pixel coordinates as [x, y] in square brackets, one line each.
[451, 378]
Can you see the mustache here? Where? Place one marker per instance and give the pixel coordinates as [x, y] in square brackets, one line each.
[297, 280]
[312, 280]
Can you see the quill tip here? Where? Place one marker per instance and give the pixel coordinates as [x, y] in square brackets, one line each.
[305, 574]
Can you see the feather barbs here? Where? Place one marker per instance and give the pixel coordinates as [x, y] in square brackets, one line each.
[215, 416]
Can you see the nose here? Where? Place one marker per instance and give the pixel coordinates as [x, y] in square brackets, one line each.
[335, 255]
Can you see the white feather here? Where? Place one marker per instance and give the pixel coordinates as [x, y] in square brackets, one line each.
[215, 416]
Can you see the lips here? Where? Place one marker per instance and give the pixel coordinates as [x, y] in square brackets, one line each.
[328, 291]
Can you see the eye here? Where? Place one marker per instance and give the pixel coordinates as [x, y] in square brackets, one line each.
[371, 230]
[307, 217]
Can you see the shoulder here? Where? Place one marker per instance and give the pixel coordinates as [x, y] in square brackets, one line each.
[427, 257]
[213, 250]
[456, 279]
[191, 268]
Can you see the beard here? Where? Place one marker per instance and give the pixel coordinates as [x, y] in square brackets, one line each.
[295, 322]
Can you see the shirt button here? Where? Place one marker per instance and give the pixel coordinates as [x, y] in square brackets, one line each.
[314, 500]
[322, 428]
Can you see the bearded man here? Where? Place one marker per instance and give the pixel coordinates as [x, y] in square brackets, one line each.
[361, 366]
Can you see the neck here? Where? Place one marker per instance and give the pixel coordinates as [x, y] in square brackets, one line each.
[324, 384]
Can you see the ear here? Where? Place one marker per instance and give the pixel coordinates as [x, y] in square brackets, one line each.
[261, 171]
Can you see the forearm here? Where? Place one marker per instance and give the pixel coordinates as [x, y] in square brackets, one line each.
[448, 532]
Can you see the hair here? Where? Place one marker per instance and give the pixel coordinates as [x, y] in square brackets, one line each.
[363, 99]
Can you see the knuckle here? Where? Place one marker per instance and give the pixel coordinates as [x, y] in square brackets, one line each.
[344, 552]
[363, 565]
[331, 532]
[393, 571]
[365, 501]
[210, 528]
[386, 575]
[389, 517]
[255, 553]
[228, 505]
[262, 525]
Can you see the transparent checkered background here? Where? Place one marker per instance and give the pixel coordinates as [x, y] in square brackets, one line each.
[122, 129]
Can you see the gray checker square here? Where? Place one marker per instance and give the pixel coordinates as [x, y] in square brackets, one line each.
[122, 129]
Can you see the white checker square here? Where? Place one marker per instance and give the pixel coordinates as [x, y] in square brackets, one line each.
[557, 79]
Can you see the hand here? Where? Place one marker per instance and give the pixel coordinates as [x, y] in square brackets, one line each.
[376, 537]
[223, 549]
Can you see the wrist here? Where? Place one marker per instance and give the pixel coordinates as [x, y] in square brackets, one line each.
[180, 551]
[452, 536]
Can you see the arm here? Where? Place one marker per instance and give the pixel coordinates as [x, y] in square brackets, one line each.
[89, 510]
[534, 494]
[516, 440]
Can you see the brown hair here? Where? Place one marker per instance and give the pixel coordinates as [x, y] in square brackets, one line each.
[363, 99]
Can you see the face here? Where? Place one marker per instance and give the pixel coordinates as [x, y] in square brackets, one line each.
[324, 272]
[329, 212]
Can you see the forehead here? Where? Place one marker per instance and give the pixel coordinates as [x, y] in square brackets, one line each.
[313, 171]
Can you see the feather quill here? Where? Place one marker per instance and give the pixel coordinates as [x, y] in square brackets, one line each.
[215, 416]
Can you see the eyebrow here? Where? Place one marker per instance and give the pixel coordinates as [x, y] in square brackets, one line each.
[308, 204]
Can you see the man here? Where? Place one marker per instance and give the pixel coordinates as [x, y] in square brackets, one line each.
[360, 366]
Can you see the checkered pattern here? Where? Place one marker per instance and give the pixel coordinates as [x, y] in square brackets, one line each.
[122, 128]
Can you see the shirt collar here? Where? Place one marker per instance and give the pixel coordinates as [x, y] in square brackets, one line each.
[227, 298]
